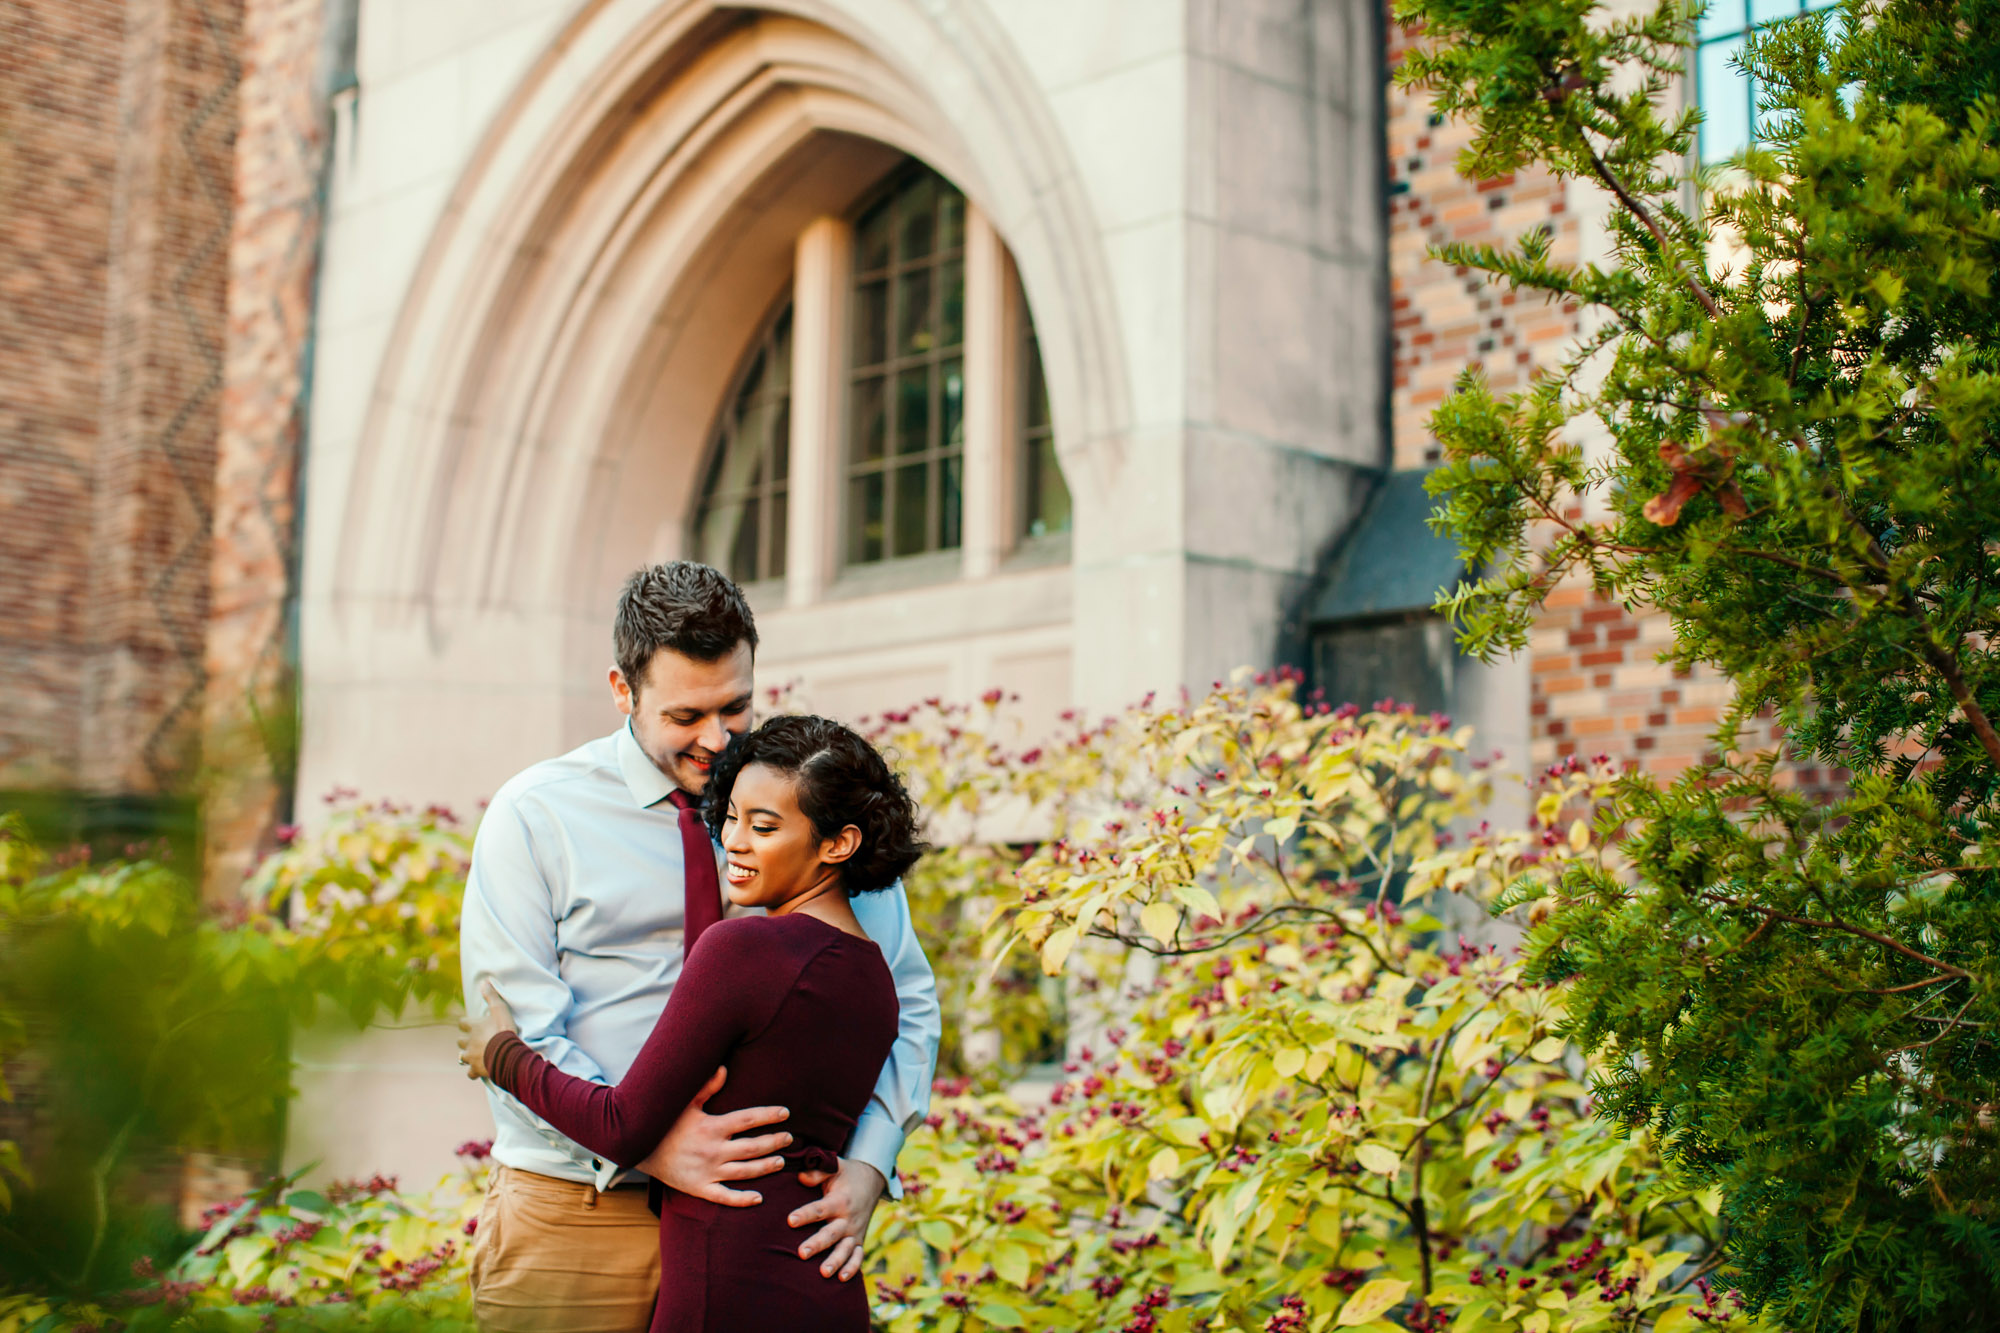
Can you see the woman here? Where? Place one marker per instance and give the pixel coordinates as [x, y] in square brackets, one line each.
[798, 1003]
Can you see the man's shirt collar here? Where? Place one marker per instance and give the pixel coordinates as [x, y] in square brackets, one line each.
[643, 778]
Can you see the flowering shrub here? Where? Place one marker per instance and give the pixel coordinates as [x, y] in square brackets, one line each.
[1322, 1106]
[980, 789]
[158, 1022]
[359, 1254]
[369, 902]
[1309, 1085]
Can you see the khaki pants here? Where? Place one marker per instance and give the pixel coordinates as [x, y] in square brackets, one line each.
[554, 1256]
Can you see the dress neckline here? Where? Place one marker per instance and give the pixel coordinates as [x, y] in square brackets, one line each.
[826, 925]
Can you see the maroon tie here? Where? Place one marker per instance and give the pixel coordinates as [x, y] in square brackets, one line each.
[703, 903]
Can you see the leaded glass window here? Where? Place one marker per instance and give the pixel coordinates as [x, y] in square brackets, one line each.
[906, 428]
[740, 524]
[1728, 96]
[1044, 493]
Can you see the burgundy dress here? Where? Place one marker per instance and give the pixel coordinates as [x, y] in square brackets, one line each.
[803, 1014]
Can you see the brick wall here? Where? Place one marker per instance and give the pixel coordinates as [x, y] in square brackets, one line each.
[117, 165]
[1595, 687]
[59, 72]
[165, 334]
[1445, 318]
[273, 254]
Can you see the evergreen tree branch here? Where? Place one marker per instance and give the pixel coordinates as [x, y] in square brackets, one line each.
[1887, 941]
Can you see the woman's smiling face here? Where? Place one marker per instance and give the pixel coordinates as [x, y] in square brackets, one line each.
[774, 853]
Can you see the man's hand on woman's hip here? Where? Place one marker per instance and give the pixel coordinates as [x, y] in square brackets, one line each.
[702, 1151]
[847, 1202]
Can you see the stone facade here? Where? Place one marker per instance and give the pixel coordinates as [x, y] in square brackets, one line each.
[502, 285]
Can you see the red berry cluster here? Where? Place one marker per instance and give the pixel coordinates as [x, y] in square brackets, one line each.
[1290, 1318]
[1143, 1319]
[399, 1276]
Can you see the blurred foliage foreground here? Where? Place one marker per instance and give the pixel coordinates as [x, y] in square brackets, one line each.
[1296, 1097]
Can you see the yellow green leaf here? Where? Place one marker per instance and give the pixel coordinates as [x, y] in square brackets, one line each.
[1161, 920]
[1547, 1050]
[1289, 1062]
[1010, 1261]
[1374, 1157]
[1055, 950]
[1000, 1316]
[1324, 1227]
[244, 1253]
[1166, 1164]
[936, 1233]
[1198, 900]
[1579, 836]
[1676, 1320]
[1370, 1300]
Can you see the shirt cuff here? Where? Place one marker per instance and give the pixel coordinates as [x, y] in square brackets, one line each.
[876, 1141]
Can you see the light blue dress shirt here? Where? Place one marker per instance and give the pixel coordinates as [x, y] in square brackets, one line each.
[573, 910]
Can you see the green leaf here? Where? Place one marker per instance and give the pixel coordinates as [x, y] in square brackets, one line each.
[936, 1233]
[1000, 1316]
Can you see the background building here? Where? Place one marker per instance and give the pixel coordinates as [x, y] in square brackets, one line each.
[353, 352]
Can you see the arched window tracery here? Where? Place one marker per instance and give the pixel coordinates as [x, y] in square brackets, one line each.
[889, 473]
[740, 523]
[906, 439]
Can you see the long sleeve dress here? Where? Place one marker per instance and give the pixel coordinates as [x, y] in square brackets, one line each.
[803, 1014]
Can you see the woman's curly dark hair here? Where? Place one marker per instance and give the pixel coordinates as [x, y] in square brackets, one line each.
[840, 779]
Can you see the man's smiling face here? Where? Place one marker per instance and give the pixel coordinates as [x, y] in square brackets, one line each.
[684, 712]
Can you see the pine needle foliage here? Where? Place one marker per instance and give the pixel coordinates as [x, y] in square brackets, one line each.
[1795, 375]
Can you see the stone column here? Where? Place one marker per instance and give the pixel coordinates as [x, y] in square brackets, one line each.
[820, 279]
[991, 337]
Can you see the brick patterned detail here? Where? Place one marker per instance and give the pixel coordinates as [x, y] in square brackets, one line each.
[155, 466]
[59, 67]
[1446, 319]
[273, 259]
[1595, 686]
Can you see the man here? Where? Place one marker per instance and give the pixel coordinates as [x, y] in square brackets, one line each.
[574, 910]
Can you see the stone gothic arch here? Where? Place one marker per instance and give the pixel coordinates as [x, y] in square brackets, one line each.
[541, 409]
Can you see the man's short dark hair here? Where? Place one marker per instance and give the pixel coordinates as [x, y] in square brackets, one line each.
[690, 608]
